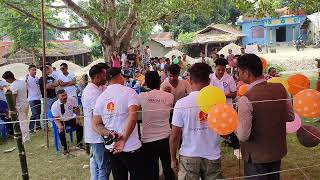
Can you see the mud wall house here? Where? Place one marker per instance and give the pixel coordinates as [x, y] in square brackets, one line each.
[4, 49]
[69, 50]
[73, 51]
[161, 43]
[214, 37]
[314, 28]
[282, 30]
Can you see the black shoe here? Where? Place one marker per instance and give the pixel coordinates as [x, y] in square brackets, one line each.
[66, 151]
[80, 146]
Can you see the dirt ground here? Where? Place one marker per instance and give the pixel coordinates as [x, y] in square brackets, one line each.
[294, 60]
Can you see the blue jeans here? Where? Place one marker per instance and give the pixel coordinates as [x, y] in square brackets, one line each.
[36, 112]
[100, 167]
[50, 101]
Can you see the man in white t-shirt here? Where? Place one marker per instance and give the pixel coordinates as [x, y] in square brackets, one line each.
[223, 80]
[203, 58]
[200, 148]
[115, 118]
[19, 91]
[3, 84]
[99, 160]
[156, 106]
[34, 97]
[67, 113]
[178, 87]
[67, 81]
[226, 83]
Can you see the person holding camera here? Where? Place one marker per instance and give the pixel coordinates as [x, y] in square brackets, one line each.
[67, 113]
[115, 118]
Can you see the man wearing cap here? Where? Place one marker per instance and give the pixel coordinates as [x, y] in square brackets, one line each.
[115, 118]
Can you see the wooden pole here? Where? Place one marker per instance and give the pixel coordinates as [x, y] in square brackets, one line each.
[45, 107]
[17, 135]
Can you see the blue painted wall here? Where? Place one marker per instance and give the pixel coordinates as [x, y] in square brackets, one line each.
[291, 27]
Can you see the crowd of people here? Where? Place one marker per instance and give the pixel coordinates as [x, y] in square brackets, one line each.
[163, 90]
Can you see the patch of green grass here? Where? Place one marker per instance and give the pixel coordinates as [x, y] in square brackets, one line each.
[46, 164]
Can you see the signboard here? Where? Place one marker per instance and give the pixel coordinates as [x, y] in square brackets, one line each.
[282, 21]
[252, 49]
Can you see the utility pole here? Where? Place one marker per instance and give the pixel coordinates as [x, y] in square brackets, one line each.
[45, 104]
[17, 135]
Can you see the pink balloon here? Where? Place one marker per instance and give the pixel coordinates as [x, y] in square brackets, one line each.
[293, 127]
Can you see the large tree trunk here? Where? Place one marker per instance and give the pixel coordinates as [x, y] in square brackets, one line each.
[108, 48]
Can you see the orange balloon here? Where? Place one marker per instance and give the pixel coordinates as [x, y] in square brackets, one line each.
[297, 83]
[222, 119]
[307, 103]
[264, 64]
[243, 89]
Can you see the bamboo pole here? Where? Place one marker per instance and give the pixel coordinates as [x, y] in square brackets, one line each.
[17, 135]
[45, 107]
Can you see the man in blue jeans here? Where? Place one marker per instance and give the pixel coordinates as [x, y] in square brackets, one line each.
[34, 98]
[51, 85]
[99, 160]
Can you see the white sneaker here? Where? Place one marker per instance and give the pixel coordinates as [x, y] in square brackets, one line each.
[237, 153]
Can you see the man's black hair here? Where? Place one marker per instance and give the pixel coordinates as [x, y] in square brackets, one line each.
[167, 59]
[152, 80]
[46, 67]
[113, 72]
[64, 65]
[48, 64]
[104, 65]
[31, 66]
[174, 69]
[271, 68]
[221, 62]
[252, 63]
[8, 75]
[200, 72]
[95, 70]
[61, 91]
[221, 56]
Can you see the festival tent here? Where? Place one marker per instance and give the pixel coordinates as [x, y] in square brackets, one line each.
[86, 69]
[177, 53]
[236, 50]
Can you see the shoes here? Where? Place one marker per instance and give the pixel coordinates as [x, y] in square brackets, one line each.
[80, 146]
[237, 153]
[66, 151]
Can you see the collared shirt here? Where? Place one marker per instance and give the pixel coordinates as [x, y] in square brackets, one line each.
[89, 97]
[69, 106]
[226, 84]
[245, 112]
[197, 139]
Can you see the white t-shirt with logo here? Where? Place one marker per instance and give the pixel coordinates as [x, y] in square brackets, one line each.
[69, 106]
[89, 97]
[113, 107]
[70, 90]
[197, 139]
[20, 88]
[34, 92]
[226, 84]
[155, 124]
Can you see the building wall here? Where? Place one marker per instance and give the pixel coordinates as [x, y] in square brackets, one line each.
[157, 49]
[292, 30]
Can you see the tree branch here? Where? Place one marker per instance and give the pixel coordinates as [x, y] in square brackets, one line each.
[26, 13]
[57, 7]
[87, 18]
[131, 20]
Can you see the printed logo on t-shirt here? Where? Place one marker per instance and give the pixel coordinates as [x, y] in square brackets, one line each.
[70, 108]
[110, 107]
[225, 84]
[202, 117]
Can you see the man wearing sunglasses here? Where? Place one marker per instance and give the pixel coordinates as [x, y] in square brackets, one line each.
[67, 81]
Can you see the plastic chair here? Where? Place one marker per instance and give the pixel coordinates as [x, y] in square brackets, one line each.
[56, 133]
[3, 131]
